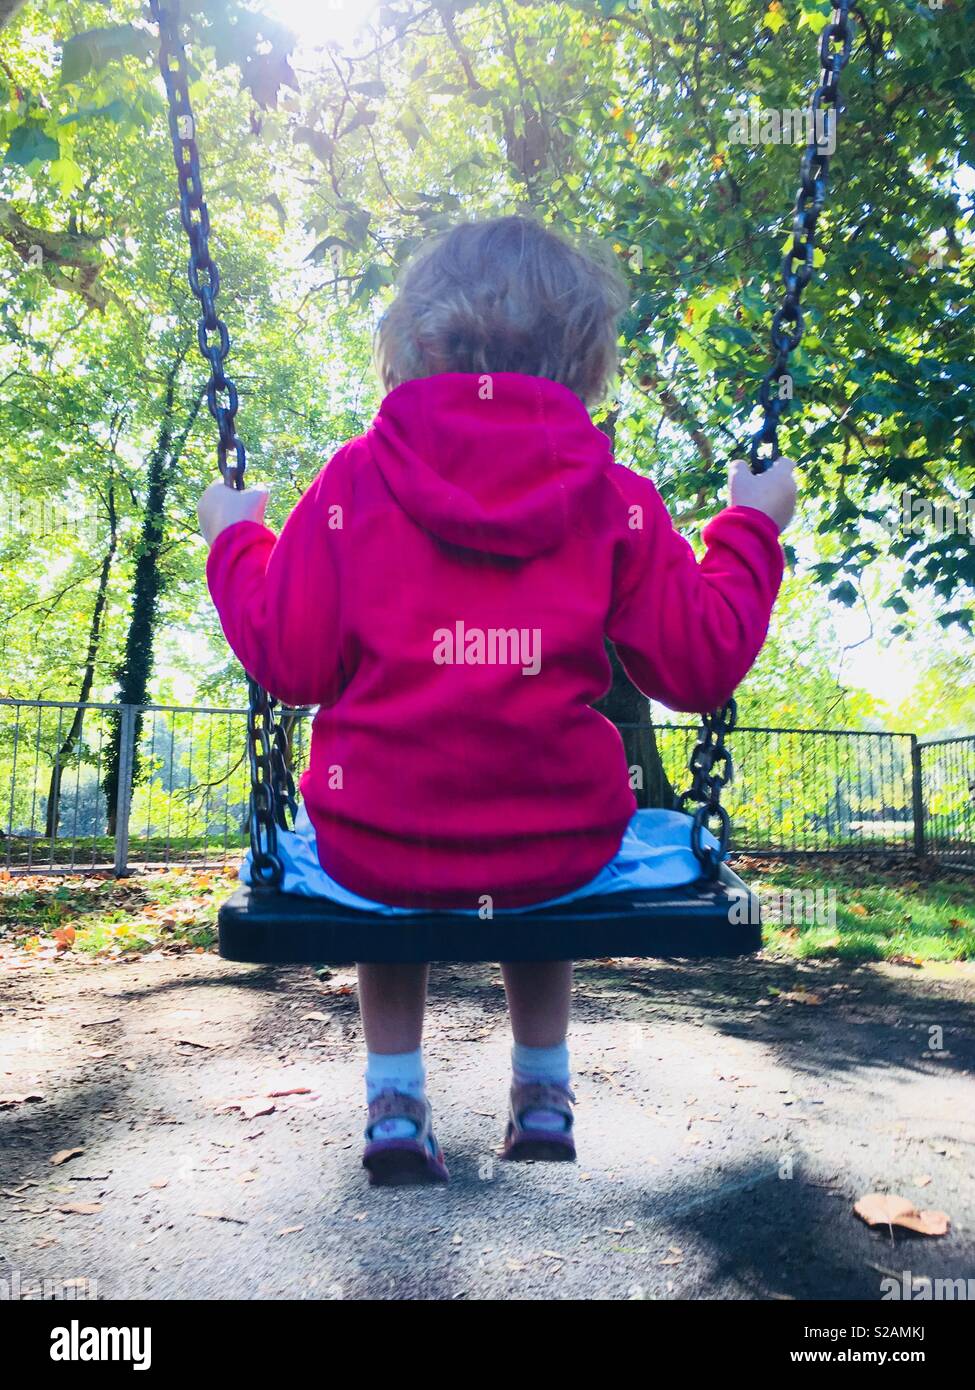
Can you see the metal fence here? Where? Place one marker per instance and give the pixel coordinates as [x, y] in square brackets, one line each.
[947, 776]
[100, 786]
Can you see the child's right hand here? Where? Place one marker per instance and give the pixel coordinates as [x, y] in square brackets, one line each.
[772, 492]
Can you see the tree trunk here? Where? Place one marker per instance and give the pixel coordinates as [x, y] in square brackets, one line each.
[135, 671]
[625, 707]
[88, 677]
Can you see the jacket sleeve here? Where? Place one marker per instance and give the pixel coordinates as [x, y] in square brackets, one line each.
[686, 631]
[279, 599]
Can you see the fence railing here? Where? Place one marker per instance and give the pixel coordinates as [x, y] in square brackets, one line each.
[947, 778]
[107, 786]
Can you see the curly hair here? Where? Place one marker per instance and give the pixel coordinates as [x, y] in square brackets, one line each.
[504, 295]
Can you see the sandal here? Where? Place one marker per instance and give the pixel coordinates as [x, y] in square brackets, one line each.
[545, 1145]
[402, 1162]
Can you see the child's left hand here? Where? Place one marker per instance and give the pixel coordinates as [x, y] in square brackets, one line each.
[221, 506]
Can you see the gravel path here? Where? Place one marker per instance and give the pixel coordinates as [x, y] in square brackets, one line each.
[725, 1129]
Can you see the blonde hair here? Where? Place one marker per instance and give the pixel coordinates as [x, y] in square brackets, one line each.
[504, 295]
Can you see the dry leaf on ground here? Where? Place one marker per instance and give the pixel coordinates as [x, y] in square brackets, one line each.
[63, 1155]
[888, 1209]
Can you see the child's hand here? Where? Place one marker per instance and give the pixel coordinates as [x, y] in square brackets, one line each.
[772, 492]
[220, 506]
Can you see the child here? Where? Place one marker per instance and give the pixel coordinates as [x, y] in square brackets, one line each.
[441, 592]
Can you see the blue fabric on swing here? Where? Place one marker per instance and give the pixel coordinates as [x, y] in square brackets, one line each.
[655, 852]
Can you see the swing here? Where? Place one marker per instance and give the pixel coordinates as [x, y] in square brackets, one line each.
[715, 916]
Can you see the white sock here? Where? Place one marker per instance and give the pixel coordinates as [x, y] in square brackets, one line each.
[546, 1066]
[395, 1071]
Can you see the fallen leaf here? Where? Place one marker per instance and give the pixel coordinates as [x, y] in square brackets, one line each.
[159, 1183]
[887, 1209]
[81, 1208]
[922, 1180]
[6, 1101]
[801, 996]
[316, 1018]
[63, 1156]
[295, 1091]
[249, 1106]
[859, 910]
[221, 1216]
[290, 1230]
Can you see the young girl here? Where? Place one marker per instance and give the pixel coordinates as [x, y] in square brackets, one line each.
[441, 592]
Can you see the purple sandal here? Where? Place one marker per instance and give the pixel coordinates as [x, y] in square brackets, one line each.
[402, 1162]
[545, 1145]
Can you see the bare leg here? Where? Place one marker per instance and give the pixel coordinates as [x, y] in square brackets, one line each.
[539, 993]
[392, 1000]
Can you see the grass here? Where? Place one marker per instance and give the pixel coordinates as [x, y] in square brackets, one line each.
[173, 910]
[855, 910]
[905, 912]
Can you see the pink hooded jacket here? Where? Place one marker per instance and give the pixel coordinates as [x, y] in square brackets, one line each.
[441, 592]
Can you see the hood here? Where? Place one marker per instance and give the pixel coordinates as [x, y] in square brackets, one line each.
[498, 464]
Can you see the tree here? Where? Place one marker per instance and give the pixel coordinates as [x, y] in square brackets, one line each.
[614, 125]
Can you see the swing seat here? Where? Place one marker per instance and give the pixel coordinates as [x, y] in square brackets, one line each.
[703, 919]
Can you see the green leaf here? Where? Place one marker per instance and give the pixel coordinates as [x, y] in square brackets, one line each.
[320, 144]
[774, 17]
[275, 202]
[116, 110]
[815, 20]
[29, 142]
[67, 175]
[362, 117]
[411, 127]
[96, 48]
[357, 225]
[317, 252]
[844, 593]
[373, 278]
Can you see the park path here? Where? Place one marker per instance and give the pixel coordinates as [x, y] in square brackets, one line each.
[725, 1130]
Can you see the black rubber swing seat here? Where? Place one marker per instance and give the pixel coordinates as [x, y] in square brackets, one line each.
[703, 919]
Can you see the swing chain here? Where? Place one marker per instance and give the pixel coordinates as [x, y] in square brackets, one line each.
[711, 770]
[798, 265]
[272, 796]
[710, 764]
[231, 454]
[265, 862]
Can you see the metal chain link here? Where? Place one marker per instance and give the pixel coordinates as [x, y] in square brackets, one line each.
[710, 764]
[826, 106]
[196, 222]
[272, 784]
[711, 770]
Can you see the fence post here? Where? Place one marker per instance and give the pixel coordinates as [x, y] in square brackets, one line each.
[123, 796]
[917, 797]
